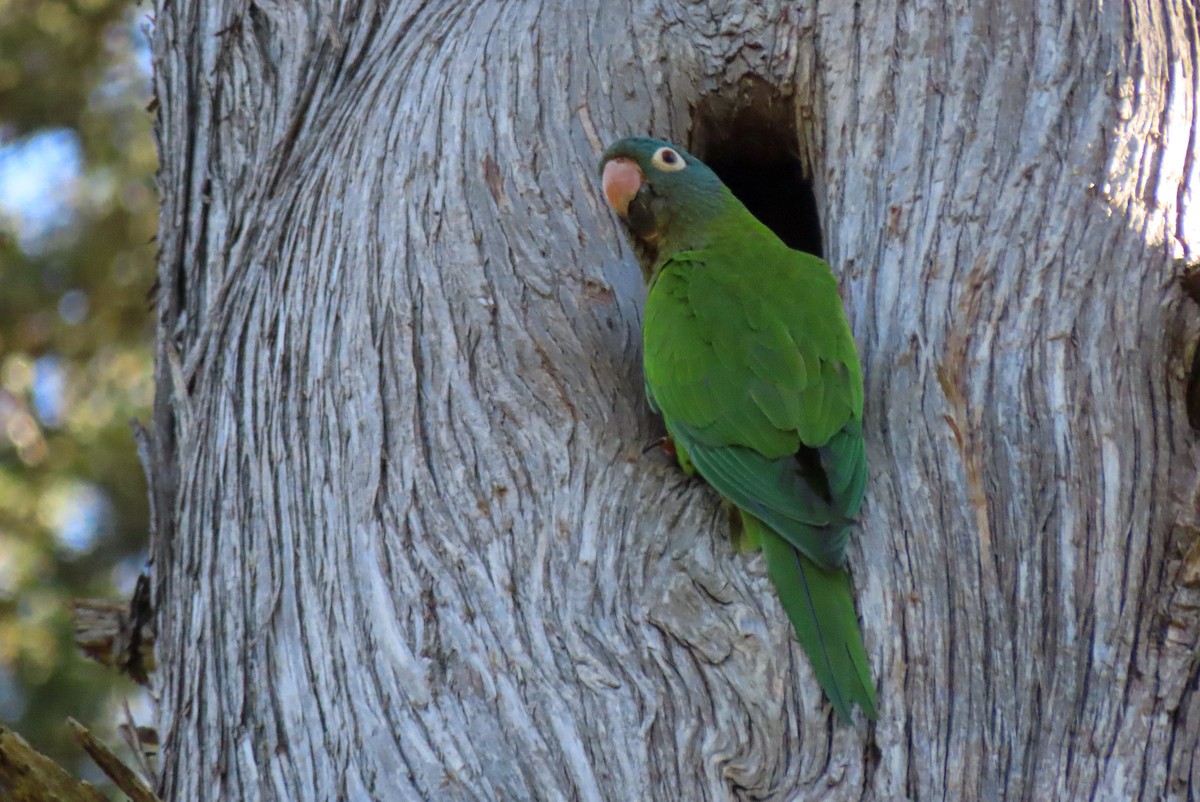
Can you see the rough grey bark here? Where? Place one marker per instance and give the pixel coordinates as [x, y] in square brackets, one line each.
[406, 545]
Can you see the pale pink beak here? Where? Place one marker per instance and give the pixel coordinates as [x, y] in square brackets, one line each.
[622, 180]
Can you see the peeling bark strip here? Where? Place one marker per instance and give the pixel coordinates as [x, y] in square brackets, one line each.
[406, 545]
[27, 775]
[120, 636]
[125, 778]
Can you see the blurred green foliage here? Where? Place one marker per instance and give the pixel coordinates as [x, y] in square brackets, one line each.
[75, 335]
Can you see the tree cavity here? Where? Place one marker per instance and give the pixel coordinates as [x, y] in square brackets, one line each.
[749, 136]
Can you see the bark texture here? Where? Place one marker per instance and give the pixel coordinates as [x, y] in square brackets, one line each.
[406, 545]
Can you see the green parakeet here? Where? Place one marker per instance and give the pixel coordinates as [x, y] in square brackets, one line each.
[750, 361]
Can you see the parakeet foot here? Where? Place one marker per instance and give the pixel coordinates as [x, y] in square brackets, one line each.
[666, 444]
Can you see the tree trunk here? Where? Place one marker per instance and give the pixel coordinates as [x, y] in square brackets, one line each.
[406, 545]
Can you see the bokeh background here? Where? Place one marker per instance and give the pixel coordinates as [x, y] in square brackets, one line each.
[77, 220]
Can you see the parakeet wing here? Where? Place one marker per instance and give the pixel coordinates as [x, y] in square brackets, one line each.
[751, 362]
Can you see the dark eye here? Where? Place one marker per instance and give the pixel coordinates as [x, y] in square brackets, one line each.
[668, 160]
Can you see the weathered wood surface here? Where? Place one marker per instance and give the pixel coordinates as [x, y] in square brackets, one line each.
[27, 775]
[406, 545]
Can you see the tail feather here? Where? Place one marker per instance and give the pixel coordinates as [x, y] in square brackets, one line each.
[820, 604]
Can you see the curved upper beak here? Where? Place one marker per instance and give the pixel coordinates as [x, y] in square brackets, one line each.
[622, 179]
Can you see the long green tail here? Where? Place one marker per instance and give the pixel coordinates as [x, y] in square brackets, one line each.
[820, 604]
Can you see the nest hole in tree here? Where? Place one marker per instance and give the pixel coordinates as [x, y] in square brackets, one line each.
[749, 137]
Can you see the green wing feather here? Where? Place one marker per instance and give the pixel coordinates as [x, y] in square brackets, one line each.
[750, 360]
[750, 368]
[773, 491]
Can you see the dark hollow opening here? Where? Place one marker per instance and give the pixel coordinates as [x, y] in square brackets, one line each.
[779, 195]
[751, 142]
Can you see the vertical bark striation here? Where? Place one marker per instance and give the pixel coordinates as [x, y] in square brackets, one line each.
[406, 545]
[1005, 198]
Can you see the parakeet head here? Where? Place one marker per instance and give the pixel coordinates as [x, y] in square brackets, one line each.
[662, 193]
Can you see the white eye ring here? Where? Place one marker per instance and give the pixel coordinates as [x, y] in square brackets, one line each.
[668, 160]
